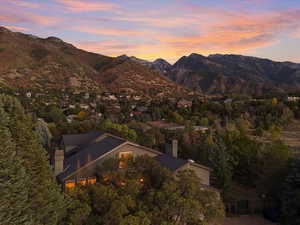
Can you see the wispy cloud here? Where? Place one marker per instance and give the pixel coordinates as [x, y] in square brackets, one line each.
[162, 29]
[106, 31]
[87, 5]
[18, 17]
[240, 32]
[27, 4]
[17, 28]
[29, 18]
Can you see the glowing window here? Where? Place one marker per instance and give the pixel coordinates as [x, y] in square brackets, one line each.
[70, 184]
[122, 164]
[126, 155]
[81, 181]
[141, 180]
[91, 180]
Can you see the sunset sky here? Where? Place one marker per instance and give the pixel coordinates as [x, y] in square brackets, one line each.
[168, 29]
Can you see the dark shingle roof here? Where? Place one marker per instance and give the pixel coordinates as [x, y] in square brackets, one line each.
[170, 162]
[80, 139]
[89, 154]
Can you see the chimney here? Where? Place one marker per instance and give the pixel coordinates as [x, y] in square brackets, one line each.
[172, 148]
[59, 156]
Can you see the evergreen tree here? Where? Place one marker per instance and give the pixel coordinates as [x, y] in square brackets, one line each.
[46, 203]
[14, 192]
[222, 163]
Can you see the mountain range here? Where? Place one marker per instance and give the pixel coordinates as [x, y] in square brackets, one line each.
[224, 74]
[27, 61]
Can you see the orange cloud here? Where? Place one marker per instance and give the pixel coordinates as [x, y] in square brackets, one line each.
[85, 6]
[239, 33]
[17, 28]
[112, 47]
[29, 19]
[235, 34]
[210, 32]
[44, 20]
[106, 31]
[148, 51]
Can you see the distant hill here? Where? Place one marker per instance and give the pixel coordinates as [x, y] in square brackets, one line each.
[225, 74]
[217, 74]
[160, 65]
[27, 61]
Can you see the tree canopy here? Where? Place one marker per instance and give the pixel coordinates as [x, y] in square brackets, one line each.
[145, 193]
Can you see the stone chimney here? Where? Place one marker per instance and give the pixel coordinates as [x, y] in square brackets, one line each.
[59, 156]
[172, 148]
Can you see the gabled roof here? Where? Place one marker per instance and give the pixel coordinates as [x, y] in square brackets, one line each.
[94, 145]
[170, 162]
[89, 154]
[174, 163]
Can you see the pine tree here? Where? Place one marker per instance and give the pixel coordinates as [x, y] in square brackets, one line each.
[14, 193]
[46, 203]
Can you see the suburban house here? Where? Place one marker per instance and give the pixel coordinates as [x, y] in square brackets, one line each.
[81, 155]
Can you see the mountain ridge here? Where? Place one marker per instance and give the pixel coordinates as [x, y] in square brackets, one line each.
[229, 73]
[27, 61]
[32, 62]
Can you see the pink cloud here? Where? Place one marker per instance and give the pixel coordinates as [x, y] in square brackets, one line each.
[237, 32]
[25, 4]
[106, 31]
[85, 6]
[176, 29]
[17, 28]
[12, 15]
[112, 47]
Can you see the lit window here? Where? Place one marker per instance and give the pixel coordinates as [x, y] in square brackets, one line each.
[70, 184]
[81, 181]
[124, 156]
[141, 180]
[122, 164]
[91, 180]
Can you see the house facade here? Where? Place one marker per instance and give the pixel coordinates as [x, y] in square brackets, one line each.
[81, 156]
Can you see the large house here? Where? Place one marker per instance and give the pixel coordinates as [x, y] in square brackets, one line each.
[81, 155]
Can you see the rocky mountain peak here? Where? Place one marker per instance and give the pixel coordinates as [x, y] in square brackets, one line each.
[161, 61]
[239, 74]
[196, 55]
[161, 65]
